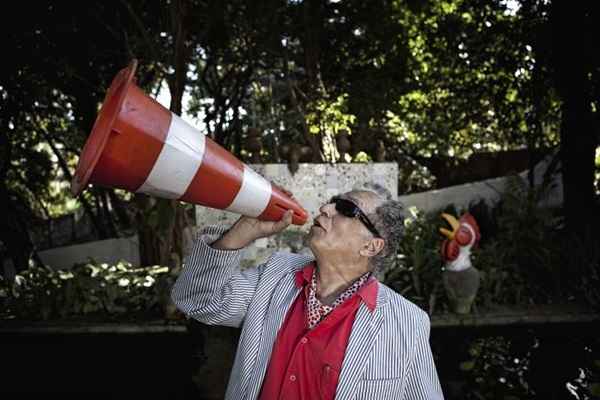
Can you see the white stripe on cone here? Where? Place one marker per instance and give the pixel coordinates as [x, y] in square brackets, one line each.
[254, 195]
[178, 161]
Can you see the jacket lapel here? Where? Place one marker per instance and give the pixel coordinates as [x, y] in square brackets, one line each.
[364, 333]
[283, 296]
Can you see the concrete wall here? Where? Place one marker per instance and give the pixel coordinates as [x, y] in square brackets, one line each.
[489, 190]
[103, 251]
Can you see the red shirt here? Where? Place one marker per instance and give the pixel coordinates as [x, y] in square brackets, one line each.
[305, 363]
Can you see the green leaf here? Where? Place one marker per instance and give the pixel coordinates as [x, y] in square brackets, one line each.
[467, 365]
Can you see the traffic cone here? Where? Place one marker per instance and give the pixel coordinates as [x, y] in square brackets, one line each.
[138, 145]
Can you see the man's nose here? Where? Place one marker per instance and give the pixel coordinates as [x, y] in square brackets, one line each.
[327, 209]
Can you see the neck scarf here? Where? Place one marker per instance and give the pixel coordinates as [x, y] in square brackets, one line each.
[316, 310]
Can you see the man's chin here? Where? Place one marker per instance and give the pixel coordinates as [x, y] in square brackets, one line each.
[312, 240]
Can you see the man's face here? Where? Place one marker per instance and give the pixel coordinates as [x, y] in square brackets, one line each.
[336, 235]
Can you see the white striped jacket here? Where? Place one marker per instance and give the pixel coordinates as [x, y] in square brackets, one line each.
[388, 354]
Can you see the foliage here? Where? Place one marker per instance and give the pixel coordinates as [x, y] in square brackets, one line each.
[473, 72]
[513, 366]
[494, 370]
[327, 120]
[410, 80]
[581, 256]
[417, 273]
[597, 172]
[520, 260]
[50, 92]
[520, 255]
[90, 290]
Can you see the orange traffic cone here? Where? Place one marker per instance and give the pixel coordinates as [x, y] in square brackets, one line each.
[138, 145]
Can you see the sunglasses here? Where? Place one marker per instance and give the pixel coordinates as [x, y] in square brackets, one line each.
[349, 209]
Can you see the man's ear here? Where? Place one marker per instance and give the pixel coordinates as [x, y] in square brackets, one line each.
[373, 247]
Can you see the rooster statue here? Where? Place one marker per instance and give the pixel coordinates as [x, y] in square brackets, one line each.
[461, 279]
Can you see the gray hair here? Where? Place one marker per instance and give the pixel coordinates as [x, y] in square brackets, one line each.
[376, 188]
[388, 218]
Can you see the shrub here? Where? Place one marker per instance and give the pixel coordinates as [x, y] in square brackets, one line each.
[91, 289]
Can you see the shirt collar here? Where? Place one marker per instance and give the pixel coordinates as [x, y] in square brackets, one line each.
[367, 293]
[304, 275]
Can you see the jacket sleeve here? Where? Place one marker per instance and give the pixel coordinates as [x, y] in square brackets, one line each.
[211, 287]
[423, 382]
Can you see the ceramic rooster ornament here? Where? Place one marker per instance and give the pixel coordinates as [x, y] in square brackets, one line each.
[461, 279]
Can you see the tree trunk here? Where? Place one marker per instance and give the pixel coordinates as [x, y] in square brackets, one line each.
[578, 141]
[13, 228]
[14, 235]
[120, 209]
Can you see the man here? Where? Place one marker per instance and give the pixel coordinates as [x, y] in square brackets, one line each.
[314, 328]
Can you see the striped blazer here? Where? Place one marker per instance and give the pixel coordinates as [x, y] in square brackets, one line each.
[388, 354]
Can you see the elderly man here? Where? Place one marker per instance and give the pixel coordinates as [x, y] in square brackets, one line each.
[314, 328]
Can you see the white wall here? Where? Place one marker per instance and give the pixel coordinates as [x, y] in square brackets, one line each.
[489, 190]
[103, 251]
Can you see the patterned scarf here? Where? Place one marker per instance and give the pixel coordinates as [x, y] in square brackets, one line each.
[316, 310]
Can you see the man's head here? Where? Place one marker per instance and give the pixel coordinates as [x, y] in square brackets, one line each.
[359, 229]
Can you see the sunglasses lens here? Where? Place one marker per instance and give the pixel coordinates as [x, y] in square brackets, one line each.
[348, 209]
[345, 207]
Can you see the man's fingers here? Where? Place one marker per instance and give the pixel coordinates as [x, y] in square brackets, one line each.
[287, 192]
[284, 222]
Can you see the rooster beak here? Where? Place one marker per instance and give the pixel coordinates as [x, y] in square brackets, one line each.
[453, 223]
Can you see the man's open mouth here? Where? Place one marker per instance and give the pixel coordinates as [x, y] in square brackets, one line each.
[317, 224]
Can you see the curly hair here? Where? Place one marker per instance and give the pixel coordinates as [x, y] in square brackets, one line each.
[388, 218]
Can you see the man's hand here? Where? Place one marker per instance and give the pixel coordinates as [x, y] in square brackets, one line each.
[247, 229]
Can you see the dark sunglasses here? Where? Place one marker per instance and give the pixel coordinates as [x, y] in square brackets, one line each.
[349, 209]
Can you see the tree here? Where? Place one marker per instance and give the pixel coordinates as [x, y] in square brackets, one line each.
[418, 83]
[52, 91]
[576, 65]
[48, 94]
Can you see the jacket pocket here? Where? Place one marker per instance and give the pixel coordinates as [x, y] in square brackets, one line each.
[373, 389]
[328, 382]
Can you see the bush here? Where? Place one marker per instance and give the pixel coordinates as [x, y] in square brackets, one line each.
[89, 290]
[417, 273]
